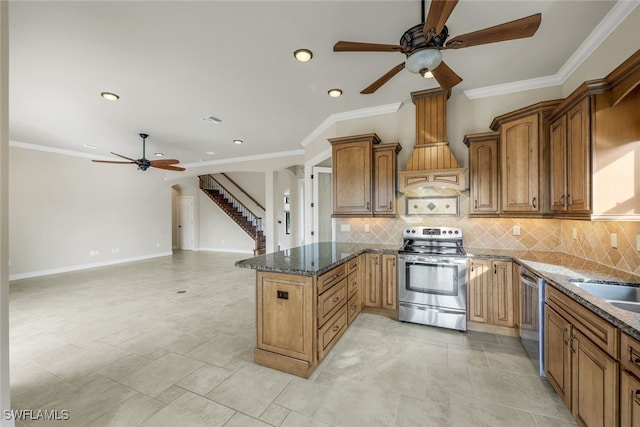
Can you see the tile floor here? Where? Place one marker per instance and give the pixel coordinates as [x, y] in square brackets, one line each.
[119, 346]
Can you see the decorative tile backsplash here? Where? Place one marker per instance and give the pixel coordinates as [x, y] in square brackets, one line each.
[593, 239]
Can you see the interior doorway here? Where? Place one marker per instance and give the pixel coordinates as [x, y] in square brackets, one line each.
[322, 204]
[186, 223]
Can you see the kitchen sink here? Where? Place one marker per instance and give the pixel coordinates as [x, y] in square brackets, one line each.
[625, 297]
[625, 305]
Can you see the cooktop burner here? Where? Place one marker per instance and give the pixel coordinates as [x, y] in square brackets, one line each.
[433, 241]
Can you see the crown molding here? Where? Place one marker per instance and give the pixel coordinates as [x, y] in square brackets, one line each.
[609, 23]
[245, 158]
[37, 147]
[350, 115]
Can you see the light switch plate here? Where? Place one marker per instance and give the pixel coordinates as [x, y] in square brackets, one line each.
[575, 233]
[366, 228]
[345, 227]
[516, 230]
[614, 240]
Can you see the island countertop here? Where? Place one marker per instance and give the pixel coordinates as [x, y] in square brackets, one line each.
[313, 259]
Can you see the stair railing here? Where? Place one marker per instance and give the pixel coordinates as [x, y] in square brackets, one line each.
[208, 182]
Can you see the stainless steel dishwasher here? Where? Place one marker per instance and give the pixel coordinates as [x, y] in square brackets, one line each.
[532, 317]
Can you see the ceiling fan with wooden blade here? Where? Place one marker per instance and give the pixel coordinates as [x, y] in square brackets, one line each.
[144, 163]
[422, 44]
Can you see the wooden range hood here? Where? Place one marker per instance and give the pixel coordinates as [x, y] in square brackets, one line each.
[432, 163]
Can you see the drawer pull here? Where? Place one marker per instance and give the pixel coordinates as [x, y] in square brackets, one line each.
[336, 299]
[637, 361]
[335, 328]
[570, 343]
[533, 202]
[562, 335]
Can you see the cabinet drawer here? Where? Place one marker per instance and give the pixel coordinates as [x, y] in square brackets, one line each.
[353, 264]
[353, 283]
[353, 307]
[630, 354]
[602, 333]
[331, 277]
[329, 334]
[330, 301]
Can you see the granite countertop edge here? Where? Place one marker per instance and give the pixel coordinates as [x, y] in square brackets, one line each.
[556, 268]
[559, 270]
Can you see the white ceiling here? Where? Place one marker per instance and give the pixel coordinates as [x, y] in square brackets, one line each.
[174, 62]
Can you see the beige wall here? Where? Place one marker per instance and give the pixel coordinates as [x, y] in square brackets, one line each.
[64, 208]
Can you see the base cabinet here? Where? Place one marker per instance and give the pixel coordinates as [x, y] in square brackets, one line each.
[490, 292]
[381, 282]
[583, 373]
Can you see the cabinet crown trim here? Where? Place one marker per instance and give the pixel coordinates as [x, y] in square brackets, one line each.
[540, 107]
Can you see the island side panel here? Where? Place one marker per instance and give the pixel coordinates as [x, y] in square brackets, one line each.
[285, 322]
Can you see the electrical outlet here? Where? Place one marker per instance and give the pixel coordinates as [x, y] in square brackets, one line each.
[614, 240]
[345, 227]
[575, 232]
[516, 230]
[366, 228]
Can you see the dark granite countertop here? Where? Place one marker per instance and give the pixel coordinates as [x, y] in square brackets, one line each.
[313, 259]
[558, 269]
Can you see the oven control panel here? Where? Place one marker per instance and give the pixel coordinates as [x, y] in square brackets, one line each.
[433, 233]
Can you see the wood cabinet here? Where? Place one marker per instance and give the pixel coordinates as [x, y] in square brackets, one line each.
[483, 173]
[381, 282]
[570, 159]
[524, 160]
[629, 382]
[490, 292]
[364, 176]
[384, 179]
[354, 283]
[352, 173]
[580, 355]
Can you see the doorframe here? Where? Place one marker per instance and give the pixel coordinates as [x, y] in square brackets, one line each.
[317, 170]
[191, 220]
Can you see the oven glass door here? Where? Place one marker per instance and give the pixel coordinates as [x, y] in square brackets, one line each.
[438, 282]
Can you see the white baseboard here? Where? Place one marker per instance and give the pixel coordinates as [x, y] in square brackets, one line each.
[30, 274]
[233, 251]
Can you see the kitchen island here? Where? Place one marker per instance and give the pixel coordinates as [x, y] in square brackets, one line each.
[306, 297]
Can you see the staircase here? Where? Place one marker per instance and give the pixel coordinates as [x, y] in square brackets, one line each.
[236, 210]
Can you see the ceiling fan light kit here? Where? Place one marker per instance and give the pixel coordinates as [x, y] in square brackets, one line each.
[423, 44]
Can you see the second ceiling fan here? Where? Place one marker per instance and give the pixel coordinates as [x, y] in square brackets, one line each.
[423, 43]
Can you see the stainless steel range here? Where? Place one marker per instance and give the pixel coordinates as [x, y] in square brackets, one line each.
[432, 277]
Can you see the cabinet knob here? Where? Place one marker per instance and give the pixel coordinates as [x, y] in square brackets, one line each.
[336, 299]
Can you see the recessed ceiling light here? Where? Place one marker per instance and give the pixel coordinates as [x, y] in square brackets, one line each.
[158, 154]
[110, 96]
[211, 153]
[212, 119]
[303, 55]
[334, 93]
[238, 141]
[93, 147]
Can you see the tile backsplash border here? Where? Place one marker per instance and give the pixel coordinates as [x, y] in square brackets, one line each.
[592, 239]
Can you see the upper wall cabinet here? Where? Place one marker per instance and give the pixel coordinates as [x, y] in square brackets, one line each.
[364, 176]
[595, 138]
[483, 173]
[524, 160]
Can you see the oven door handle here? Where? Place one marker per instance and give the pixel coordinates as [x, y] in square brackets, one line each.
[527, 281]
[436, 260]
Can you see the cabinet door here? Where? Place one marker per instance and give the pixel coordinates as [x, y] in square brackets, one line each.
[594, 386]
[556, 353]
[389, 282]
[578, 158]
[558, 158]
[483, 174]
[285, 315]
[478, 290]
[520, 165]
[629, 400]
[352, 178]
[384, 181]
[502, 302]
[372, 288]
